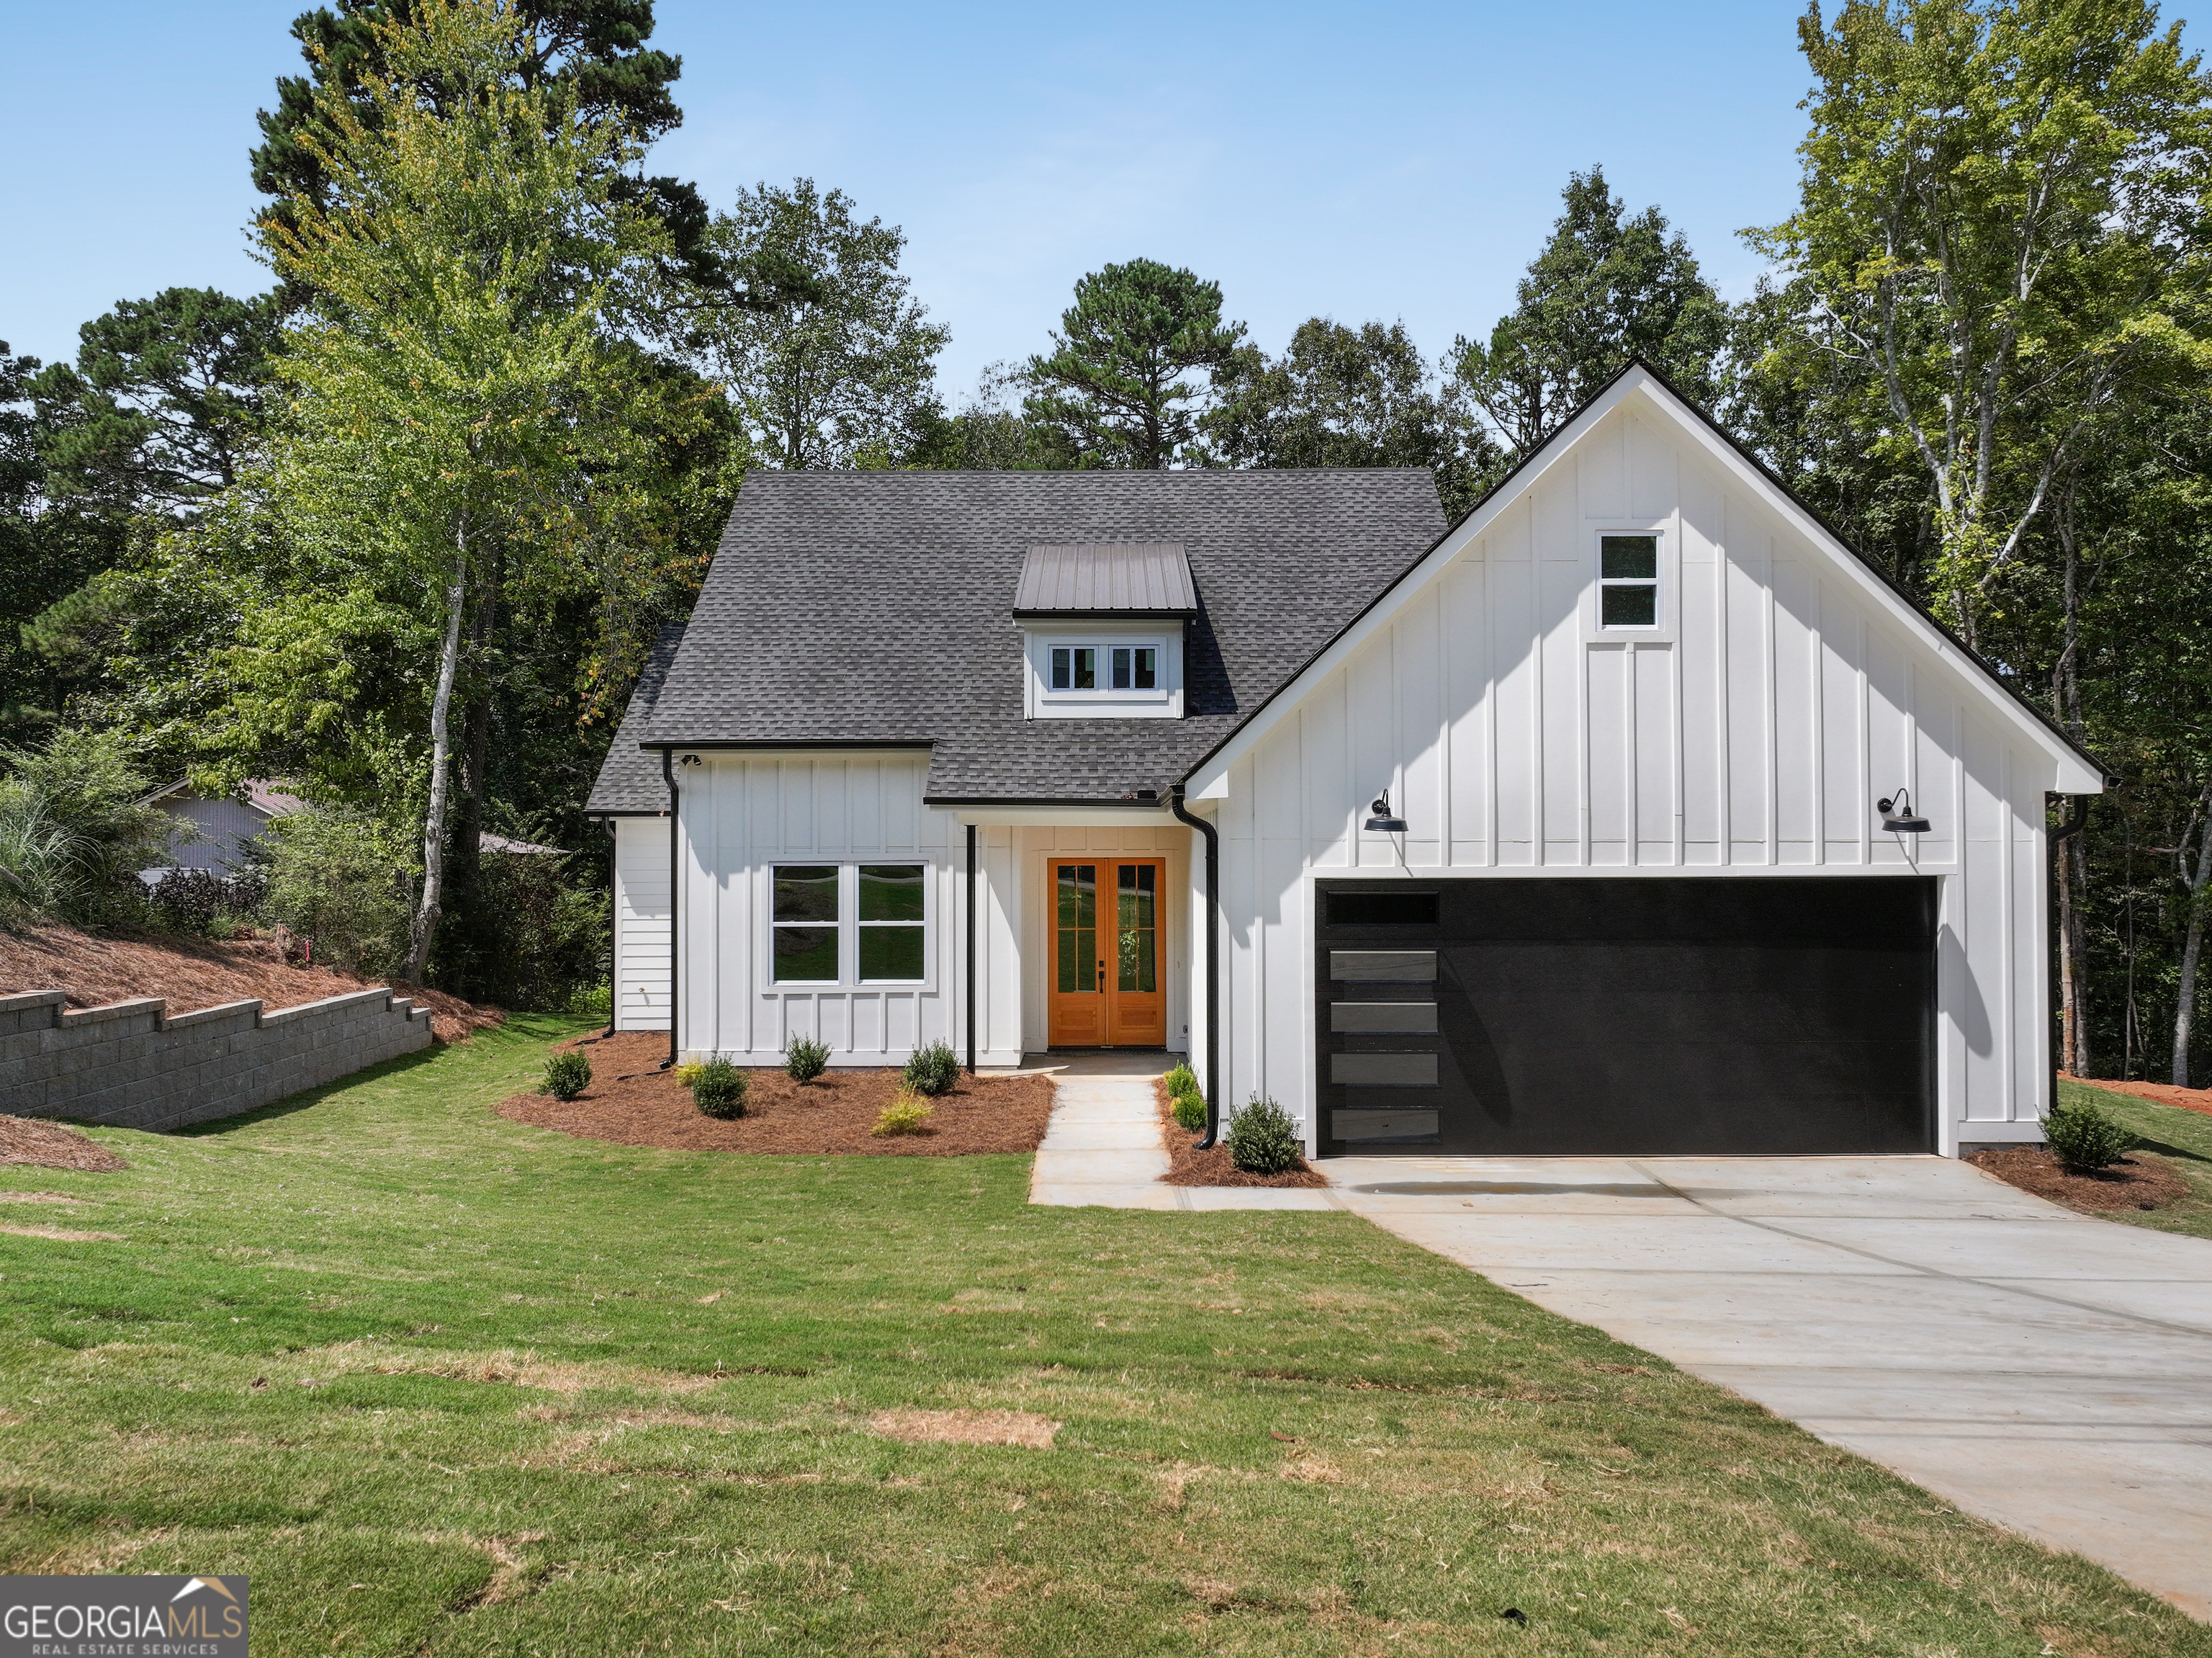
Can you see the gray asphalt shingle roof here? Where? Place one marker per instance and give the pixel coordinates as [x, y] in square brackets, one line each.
[630, 780]
[876, 608]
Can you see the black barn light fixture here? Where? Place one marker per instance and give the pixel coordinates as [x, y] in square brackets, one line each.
[1898, 816]
[1385, 822]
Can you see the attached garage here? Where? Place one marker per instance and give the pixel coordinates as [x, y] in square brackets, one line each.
[1634, 1016]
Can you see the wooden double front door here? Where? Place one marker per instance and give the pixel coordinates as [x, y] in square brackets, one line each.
[1108, 964]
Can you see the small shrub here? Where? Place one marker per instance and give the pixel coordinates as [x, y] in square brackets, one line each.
[1190, 1111]
[718, 1088]
[2084, 1138]
[933, 1069]
[804, 1059]
[593, 1002]
[1180, 1082]
[1261, 1138]
[908, 1114]
[566, 1075]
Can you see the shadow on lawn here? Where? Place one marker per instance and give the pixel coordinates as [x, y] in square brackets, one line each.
[311, 1097]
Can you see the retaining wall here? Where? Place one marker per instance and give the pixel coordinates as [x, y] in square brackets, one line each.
[130, 1065]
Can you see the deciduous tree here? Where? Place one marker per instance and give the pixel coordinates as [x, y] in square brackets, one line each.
[845, 361]
[1999, 199]
[451, 377]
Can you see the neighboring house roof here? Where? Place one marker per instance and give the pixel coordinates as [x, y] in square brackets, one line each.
[1130, 580]
[491, 842]
[629, 783]
[875, 609]
[261, 795]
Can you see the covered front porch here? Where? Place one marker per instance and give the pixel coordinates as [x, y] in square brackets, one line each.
[1082, 934]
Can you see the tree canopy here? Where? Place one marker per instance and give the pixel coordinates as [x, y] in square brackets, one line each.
[1607, 287]
[1115, 390]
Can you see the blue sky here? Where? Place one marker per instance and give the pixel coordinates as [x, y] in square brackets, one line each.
[1399, 161]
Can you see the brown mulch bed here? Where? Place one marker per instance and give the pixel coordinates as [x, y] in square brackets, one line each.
[1187, 1167]
[192, 973]
[2164, 1093]
[49, 1145]
[2132, 1183]
[632, 1104]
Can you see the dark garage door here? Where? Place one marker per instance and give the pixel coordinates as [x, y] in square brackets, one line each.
[1604, 1016]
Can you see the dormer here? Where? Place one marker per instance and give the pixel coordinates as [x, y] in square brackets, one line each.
[1101, 629]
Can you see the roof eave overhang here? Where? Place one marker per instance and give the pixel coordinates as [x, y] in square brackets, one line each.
[2075, 771]
[1104, 615]
[786, 744]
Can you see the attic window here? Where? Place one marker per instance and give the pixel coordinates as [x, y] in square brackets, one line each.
[1628, 580]
[1129, 667]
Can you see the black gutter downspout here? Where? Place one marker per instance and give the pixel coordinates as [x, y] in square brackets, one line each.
[971, 949]
[2077, 819]
[1212, 966]
[614, 933]
[675, 909]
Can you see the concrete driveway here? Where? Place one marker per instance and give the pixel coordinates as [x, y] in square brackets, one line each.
[2045, 1370]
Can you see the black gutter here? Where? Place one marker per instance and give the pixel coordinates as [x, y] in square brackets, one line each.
[675, 911]
[1212, 966]
[971, 949]
[2077, 819]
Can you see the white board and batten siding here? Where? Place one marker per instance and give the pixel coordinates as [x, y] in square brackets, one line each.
[743, 814]
[1749, 735]
[641, 913]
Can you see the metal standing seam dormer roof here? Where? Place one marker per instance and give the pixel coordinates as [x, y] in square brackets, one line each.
[1107, 579]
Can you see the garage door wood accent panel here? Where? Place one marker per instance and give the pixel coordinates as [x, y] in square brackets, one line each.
[1626, 1017]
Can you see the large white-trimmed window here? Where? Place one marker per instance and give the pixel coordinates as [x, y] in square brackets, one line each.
[848, 924]
[1628, 580]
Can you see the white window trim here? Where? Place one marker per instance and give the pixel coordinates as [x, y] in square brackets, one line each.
[1664, 630]
[848, 926]
[1163, 701]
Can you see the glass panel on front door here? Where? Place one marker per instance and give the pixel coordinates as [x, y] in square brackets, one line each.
[1137, 927]
[1078, 954]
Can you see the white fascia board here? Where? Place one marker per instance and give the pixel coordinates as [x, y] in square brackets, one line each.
[2071, 776]
[1211, 780]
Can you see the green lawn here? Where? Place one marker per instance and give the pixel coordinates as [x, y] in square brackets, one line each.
[2180, 1139]
[444, 1384]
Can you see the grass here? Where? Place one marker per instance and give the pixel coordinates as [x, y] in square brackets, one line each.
[2182, 1140]
[442, 1383]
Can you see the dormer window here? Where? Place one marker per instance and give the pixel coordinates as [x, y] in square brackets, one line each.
[1103, 625]
[1130, 668]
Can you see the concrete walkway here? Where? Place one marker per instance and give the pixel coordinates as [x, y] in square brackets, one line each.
[2040, 1369]
[1103, 1145]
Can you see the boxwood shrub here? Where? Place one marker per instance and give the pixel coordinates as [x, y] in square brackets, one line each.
[1261, 1138]
[718, 1088]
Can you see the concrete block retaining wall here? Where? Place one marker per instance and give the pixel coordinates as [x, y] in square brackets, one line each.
[130, 1065]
